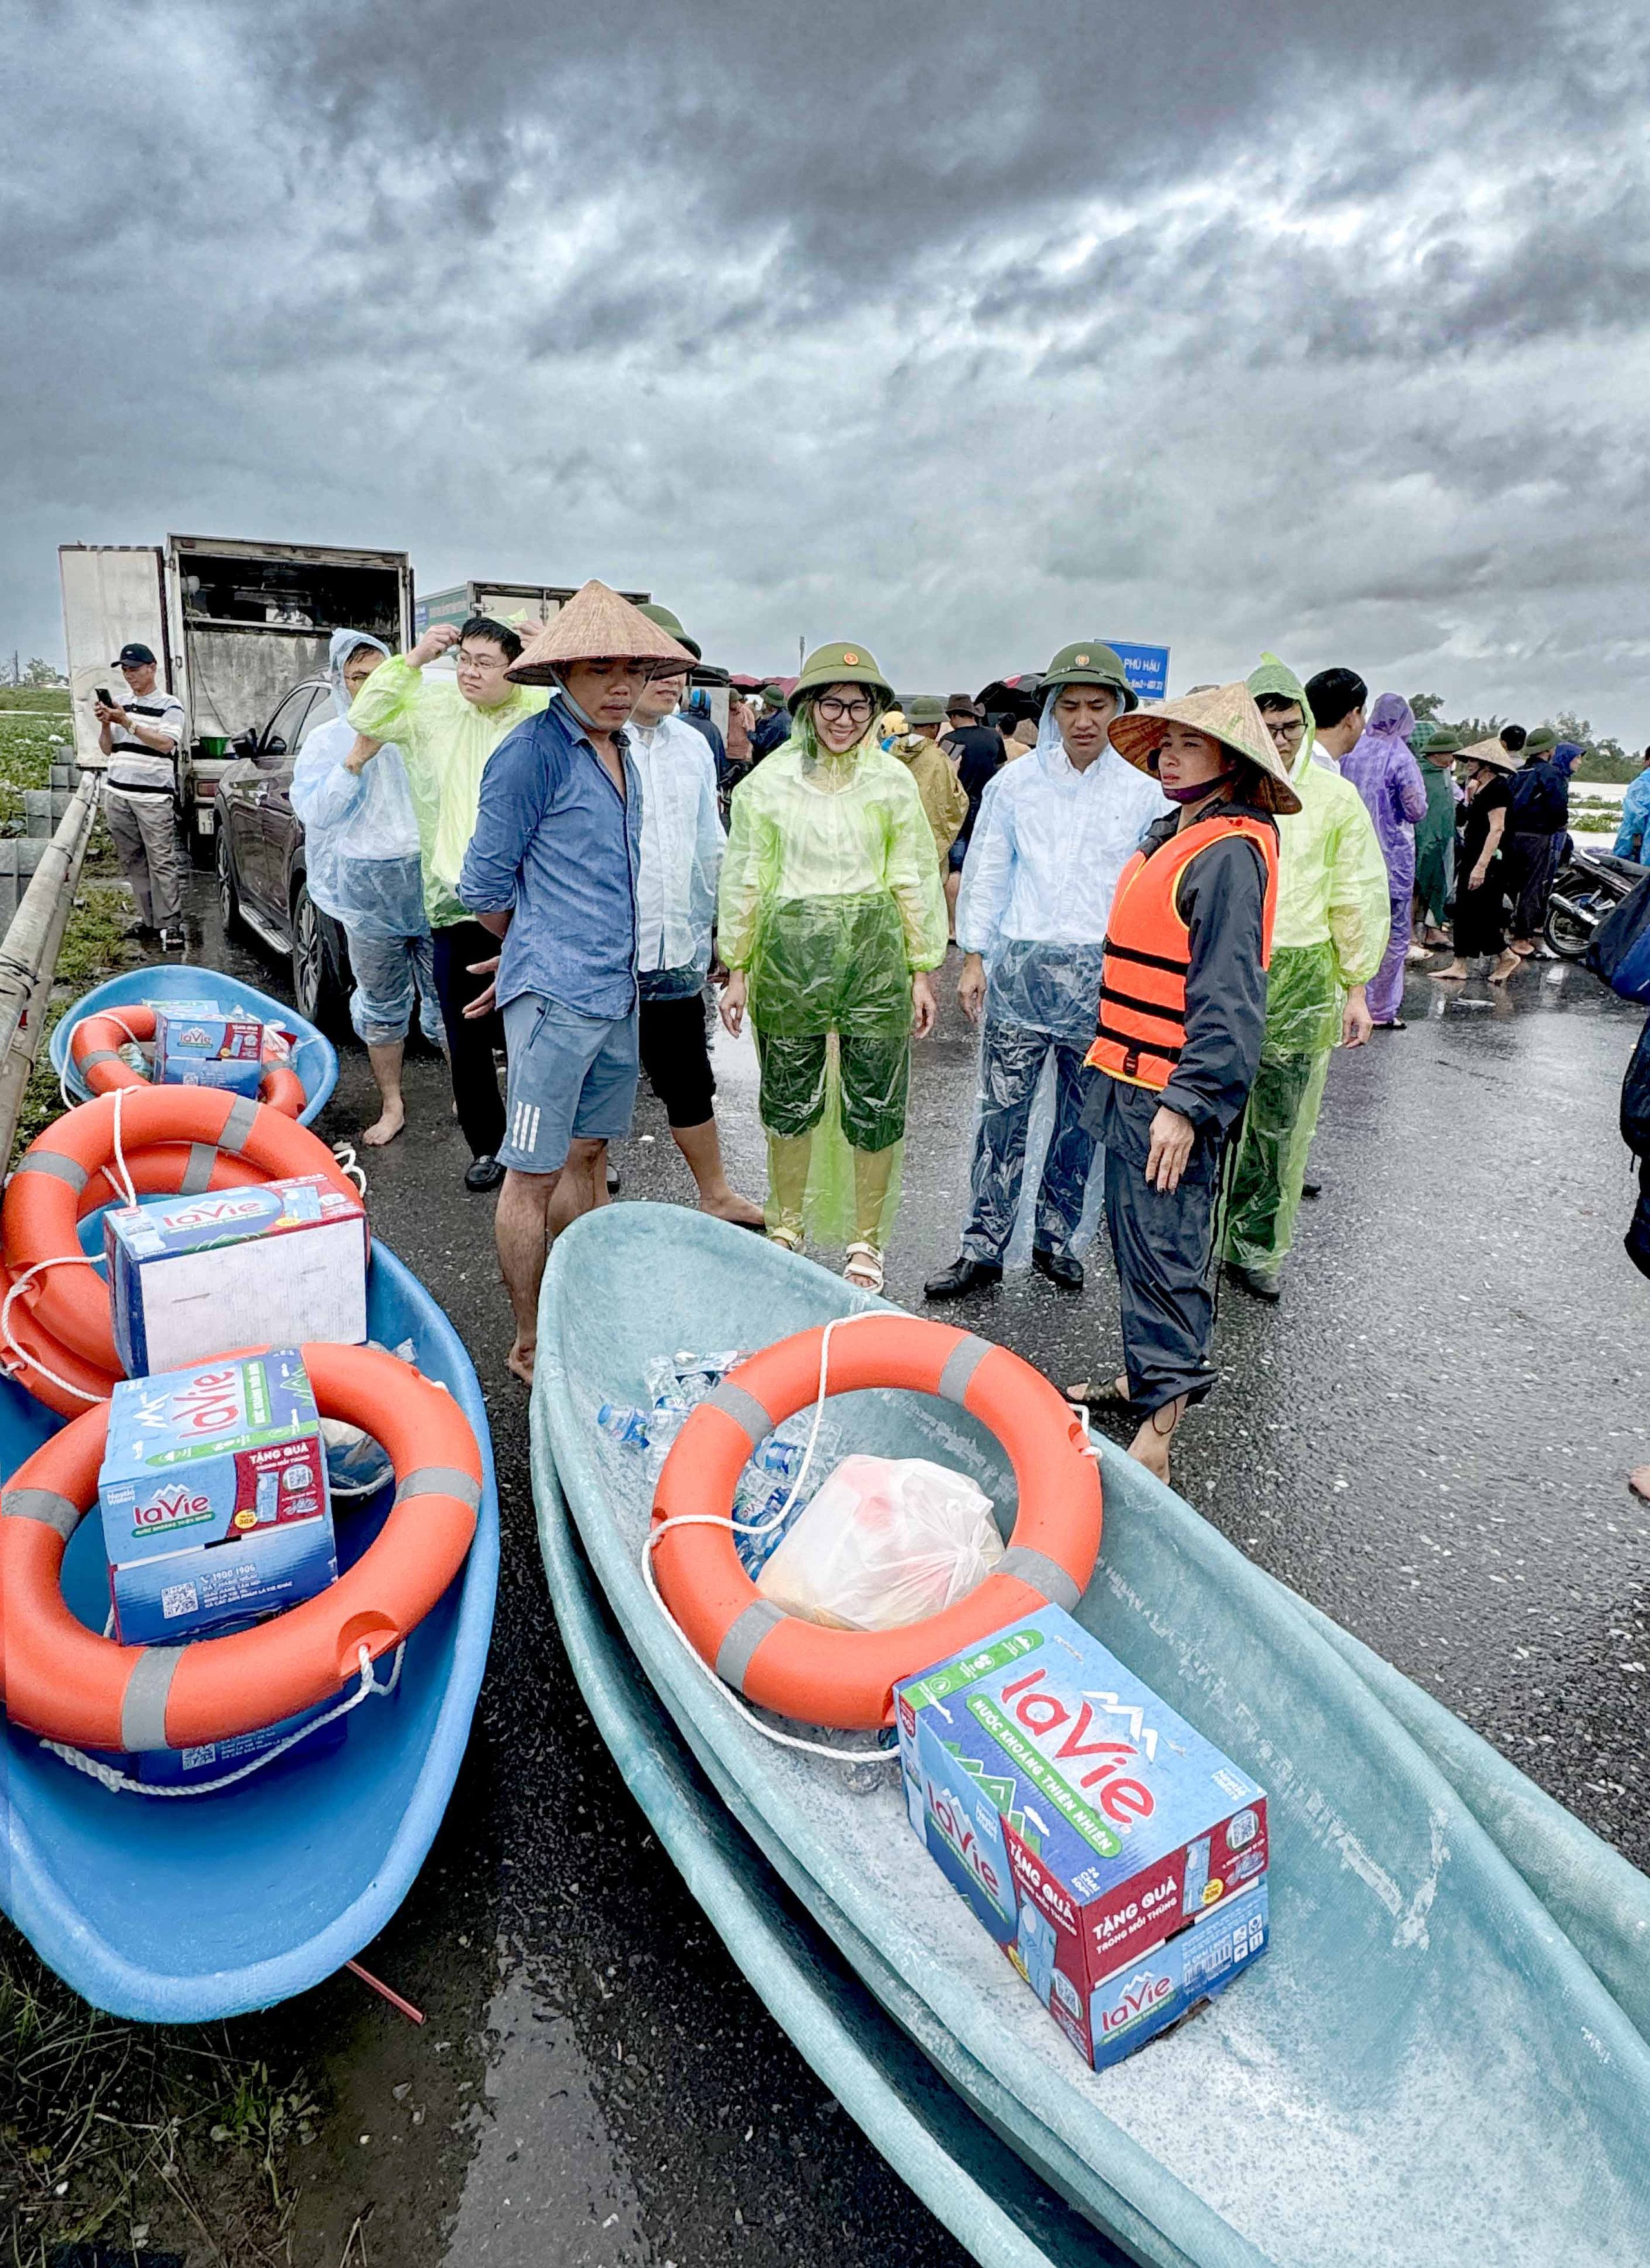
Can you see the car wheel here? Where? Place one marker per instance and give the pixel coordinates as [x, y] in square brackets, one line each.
[315, 988]
[228, 892]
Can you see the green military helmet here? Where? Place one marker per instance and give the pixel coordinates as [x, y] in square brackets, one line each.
[672, 628]
[924, 709]
[841, 664]
[1442, 739]
[1089, 663]
[1541, 742]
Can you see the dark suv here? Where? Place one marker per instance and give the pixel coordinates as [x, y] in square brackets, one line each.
[262, 867]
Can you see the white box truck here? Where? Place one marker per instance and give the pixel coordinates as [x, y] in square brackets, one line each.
[233, 625]
[516, 603]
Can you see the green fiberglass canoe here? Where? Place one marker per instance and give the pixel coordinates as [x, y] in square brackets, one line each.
[1422, 2069]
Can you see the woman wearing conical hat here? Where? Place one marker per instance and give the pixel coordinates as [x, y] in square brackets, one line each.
[1182, 1009]
[829, 916]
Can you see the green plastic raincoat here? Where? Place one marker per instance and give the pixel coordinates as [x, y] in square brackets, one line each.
[1333, 921]
[445, 742]
[830, 900]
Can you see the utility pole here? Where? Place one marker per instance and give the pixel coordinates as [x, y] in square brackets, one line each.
[801, 654]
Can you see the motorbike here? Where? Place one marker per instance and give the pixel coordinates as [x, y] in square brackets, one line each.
[1588, 887]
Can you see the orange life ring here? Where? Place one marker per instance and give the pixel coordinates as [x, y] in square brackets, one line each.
[94, 1049]
[846, 1677]
[38, 1216]
[167, 1169]
[63, 1681]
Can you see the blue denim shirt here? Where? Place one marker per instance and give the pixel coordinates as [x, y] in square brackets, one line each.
[554, 845]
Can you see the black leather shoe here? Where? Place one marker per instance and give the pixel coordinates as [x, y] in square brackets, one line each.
[483, 1173]
[1059, 1267]
[964, 1275]
[613, 1181]
[1252, 1280]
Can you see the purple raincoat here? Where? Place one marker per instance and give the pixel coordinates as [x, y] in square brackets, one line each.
[1385, 773]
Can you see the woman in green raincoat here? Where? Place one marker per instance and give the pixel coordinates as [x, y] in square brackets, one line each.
[829, 914]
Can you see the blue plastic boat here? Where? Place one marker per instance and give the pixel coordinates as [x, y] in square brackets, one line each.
[173, 1910]
[314, 1058]
[1424, 2068]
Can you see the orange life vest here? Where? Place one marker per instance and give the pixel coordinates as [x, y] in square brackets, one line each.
[1143, 976]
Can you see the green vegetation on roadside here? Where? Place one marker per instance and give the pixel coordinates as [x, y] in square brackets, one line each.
[95, 945]
[134, 2136]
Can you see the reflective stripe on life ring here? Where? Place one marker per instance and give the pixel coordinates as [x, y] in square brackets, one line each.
[94, 1049]
[846, 1678]
[38, 1216]
[64, 1681]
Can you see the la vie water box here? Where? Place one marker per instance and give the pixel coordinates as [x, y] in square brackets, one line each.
[214, 1498]
[197, 1045]
[1103, 1841]
[283, 1261]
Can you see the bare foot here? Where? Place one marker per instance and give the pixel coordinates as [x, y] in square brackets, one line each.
[1151, 1450]
[1638, 1482]
[386, 1127]
[742, 1211]
[1504, 968]
[520, 1359]
[1457, 973]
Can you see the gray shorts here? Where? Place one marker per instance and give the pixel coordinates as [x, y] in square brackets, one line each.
[571, 1078]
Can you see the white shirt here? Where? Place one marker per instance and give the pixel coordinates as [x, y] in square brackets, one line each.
[1047, 847]
[682, 843]
[132, 764]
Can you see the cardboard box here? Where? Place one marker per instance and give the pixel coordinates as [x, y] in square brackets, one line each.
[217, 1759]
[1151, 1990]
[282, 1261]
[214, 1498]
[197, 1045]
[1047, 1774]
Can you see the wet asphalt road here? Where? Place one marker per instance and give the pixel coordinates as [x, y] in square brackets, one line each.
[1428, 1438]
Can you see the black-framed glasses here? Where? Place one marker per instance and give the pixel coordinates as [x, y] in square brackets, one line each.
[844, 712]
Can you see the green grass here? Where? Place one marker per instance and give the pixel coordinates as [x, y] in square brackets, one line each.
[54, 697]
[94, 945]
[134, 2135]
[26, 753]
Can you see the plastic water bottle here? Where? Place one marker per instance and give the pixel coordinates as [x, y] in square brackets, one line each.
[1036, 1949]
[774, 1455]
[268, 1497]
[622, 1424]
[1197, 1875]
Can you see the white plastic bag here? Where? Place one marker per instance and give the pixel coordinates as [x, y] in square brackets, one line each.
[886, 1541]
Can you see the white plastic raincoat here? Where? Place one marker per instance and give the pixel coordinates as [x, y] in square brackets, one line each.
[1043, 861]
[360, 830]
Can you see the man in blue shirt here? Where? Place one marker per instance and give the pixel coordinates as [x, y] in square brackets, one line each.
[551, 869]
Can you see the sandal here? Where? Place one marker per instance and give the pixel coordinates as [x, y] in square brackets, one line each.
[789, 1238]
[864, 1270]
[1114, 1397]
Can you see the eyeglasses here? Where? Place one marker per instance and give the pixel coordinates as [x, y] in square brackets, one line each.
[844, 712]
[1286, 731]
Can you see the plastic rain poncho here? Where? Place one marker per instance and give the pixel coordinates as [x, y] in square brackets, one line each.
[681, 856]
[1385, 773]
[1043, 861]
[1331, 930]
[830, 899]
[360, 830]
[445, 742]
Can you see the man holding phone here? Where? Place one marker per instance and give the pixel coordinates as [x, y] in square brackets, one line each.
[140, 737]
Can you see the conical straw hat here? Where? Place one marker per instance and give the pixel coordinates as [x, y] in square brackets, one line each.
[1490, 752]
[1227, 714]
[594, 623]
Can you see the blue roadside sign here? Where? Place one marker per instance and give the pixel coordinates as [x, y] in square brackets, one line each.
[1145, 668]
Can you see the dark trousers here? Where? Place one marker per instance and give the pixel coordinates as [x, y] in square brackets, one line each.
[1162, 1245]
[1532, 862]
[1011, 1064]
[470, 1041]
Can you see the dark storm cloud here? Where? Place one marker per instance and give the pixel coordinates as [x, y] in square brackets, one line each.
[966, 326]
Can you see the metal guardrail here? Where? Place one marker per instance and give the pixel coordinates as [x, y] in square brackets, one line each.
[29, 953]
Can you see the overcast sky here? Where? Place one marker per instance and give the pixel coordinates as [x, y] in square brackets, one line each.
[961, 330]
